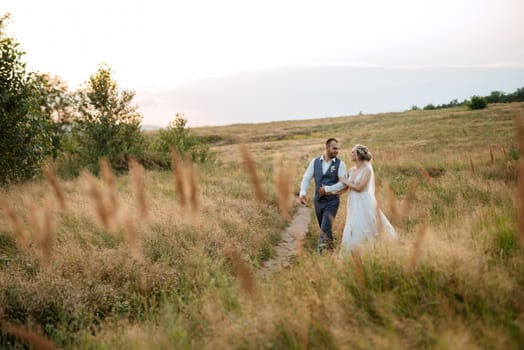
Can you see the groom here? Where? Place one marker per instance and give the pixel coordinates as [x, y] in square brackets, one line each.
[326, 171]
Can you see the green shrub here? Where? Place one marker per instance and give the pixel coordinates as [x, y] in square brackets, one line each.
[477, 102]
[178, 136]
[25, 129]
[513, 152]
[108, 126]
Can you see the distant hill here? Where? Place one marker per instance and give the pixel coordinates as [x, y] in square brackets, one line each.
[149, 127]
[312, 92]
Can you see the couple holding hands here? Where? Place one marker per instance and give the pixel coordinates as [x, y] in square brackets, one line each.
[331, 180]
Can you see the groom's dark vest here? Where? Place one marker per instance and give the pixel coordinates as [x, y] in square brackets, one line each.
[328, 179]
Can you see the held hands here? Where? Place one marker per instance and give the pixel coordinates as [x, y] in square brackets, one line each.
[344, 190]
[303, 200]
[345, 181]
[349, 185]
[322, 191]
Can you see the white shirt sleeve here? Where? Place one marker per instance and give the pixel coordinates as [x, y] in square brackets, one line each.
[339, 185]
[306, 179]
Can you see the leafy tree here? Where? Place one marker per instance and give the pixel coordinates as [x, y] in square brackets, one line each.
[495, 97]
[518, 95]
[178, 136]
[107, 125]
[25, 130]
[57, 102]
[477, 102]
[452, 103]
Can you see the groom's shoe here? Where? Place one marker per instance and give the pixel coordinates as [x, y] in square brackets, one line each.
[330, 245]
[322, 242]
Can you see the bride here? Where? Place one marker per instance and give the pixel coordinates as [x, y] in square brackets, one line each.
[362, 211]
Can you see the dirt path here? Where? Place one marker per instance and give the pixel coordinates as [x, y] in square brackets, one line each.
[292, 240]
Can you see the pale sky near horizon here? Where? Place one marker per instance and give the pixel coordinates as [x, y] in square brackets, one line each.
[153, 45]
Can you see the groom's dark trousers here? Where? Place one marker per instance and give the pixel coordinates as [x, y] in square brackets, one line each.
[326, 207]
[326, 210]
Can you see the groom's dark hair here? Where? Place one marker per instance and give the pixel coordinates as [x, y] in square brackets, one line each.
[331, 140]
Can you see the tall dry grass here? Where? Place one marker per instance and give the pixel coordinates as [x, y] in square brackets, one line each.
[139, 187]
[41, 222]
[192, 185]
[57, 188]
[284, 177]
[242, 272]
[519, 130]
[100, 200]
[109, 179]
[417, 246]
[186, 183]
[31, 338]
[15, 221]
[178, 176]
[252, 172]
[188, 281]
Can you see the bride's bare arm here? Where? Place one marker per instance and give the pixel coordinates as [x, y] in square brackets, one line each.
[344, 180]
[345, 188]
[362, 184]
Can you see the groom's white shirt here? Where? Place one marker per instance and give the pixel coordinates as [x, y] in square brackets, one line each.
[308, 175]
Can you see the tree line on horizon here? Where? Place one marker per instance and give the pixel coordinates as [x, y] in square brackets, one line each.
[44, 122]
[479, 102]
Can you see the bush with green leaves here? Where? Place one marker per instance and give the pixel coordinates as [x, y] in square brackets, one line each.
[56, 101]
[107, 125]
[477, 102]
[25, 128]
[179, 137]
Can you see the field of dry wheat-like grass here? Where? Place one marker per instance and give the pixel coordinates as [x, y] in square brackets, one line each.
[163, 260]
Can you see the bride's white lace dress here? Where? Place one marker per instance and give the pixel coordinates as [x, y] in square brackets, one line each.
[361, 219]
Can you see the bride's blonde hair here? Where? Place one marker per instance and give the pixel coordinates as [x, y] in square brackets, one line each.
[363, 153]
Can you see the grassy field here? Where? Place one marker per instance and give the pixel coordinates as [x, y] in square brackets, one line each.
[134, 262]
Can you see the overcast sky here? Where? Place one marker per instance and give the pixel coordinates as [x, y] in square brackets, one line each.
[172, 52]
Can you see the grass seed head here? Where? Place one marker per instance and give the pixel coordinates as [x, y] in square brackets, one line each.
[251, 169]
